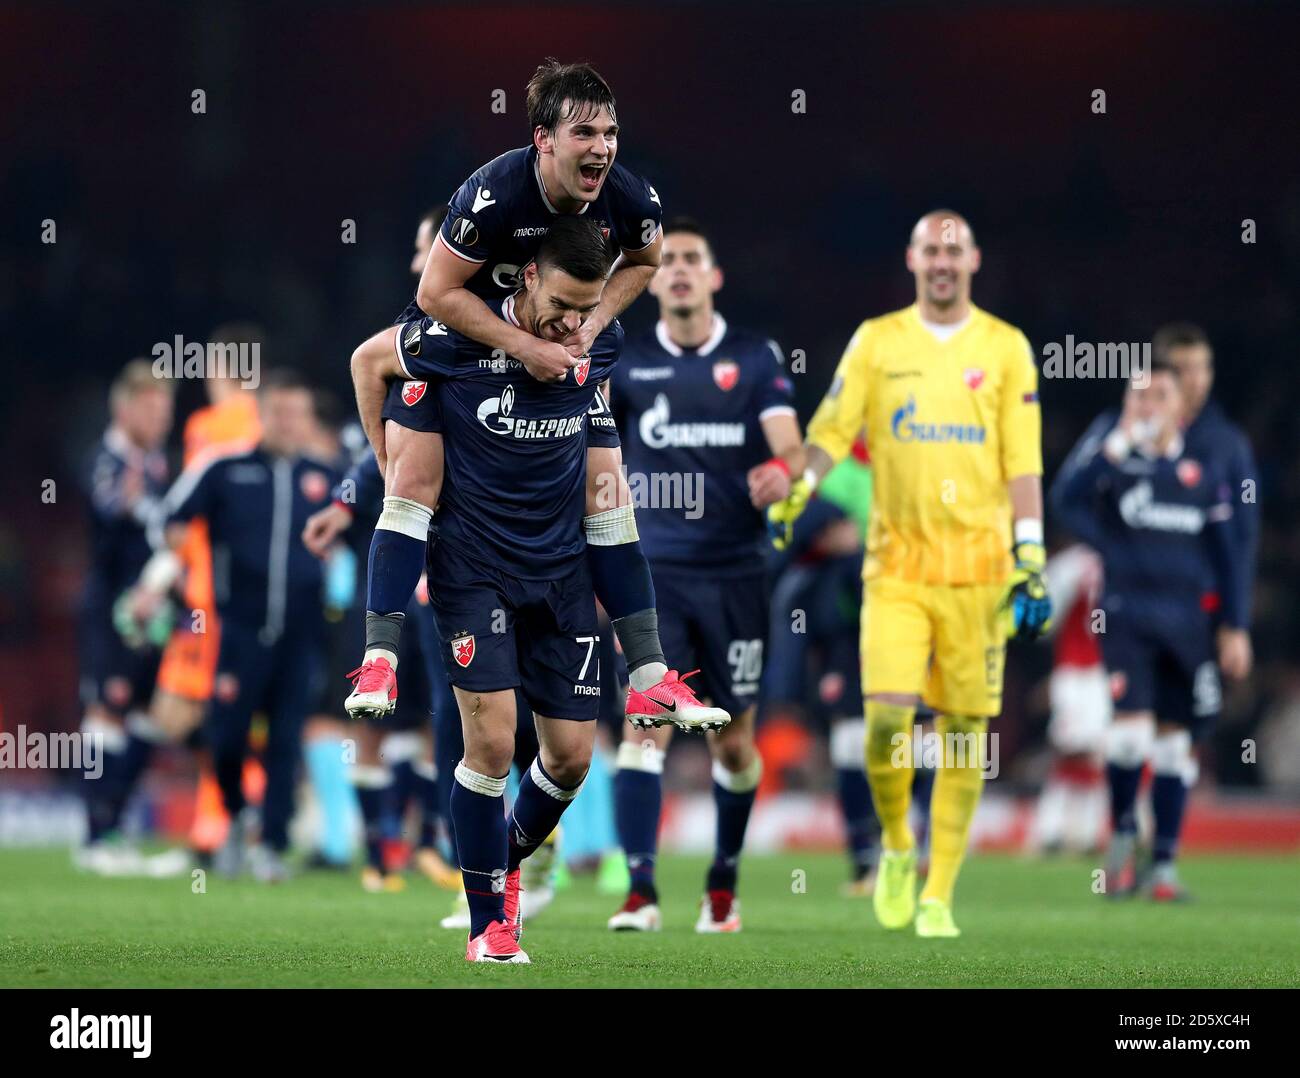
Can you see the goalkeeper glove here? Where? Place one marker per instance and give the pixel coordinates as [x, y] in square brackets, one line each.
[154, 631]
[1026, 611]
[782, 515]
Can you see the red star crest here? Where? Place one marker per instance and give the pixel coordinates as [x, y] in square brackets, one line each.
[725, 374]
[462, 649]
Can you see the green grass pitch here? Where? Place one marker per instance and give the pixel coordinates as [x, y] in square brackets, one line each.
[1025, 924]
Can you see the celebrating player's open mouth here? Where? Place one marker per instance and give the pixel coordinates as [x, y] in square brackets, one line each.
[592, 174]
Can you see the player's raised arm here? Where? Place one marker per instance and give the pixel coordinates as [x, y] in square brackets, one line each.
[631, 276]
[443, 295]
[1073, 491]
[190, 496]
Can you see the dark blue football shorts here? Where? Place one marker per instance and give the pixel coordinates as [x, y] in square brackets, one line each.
[718, 624]
[501, 632]
[1161, 658]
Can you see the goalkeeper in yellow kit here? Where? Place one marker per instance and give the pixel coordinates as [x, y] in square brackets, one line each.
[948, 396]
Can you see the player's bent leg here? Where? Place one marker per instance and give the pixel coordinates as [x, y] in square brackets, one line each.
[415, 464]
[638, 799]
[737, 770]
[1129, 742]
[621, 579]
[176, 716]
[1174, 772]
[889, 764]
[478, 810]
[958, 783]
[412, 484]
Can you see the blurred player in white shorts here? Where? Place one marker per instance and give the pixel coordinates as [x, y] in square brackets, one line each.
[1071, 809]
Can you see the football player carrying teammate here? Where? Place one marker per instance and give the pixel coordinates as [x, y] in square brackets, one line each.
[496, 222]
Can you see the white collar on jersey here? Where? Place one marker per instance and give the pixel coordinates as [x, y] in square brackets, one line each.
[715, 338]
[541, 188]
[945, 331]
[1173, 450]
[508, 309]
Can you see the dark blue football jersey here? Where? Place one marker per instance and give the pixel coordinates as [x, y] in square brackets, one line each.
[256, 506]
[125, 486]
[515, 473]
[691, 425]
[499, 215]
[1162, 525]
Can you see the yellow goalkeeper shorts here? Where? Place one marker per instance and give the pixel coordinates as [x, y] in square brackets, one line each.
[941, 641]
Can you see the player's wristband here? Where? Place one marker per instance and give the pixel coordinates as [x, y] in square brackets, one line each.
[779, 463]
[1028, 530]
[344, 506]
[160, 572]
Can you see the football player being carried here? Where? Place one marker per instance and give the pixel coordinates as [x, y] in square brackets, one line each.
[509, 580]
[708, 419]
[497, 220]
[948, 395]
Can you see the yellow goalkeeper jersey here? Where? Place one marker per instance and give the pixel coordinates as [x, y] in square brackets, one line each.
[948, 423]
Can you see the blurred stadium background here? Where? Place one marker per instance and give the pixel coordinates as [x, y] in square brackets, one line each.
[1100, 226]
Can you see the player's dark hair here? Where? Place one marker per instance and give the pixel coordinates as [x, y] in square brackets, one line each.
[435, 217]
[1161, 365]
[555, 85]
[1178, 335]
[330, 412]
[285, 378]
[577, 246]
[690, 226]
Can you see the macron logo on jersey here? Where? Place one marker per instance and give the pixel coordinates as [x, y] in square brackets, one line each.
[659, 433]
[907, 430]
[483, 199]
